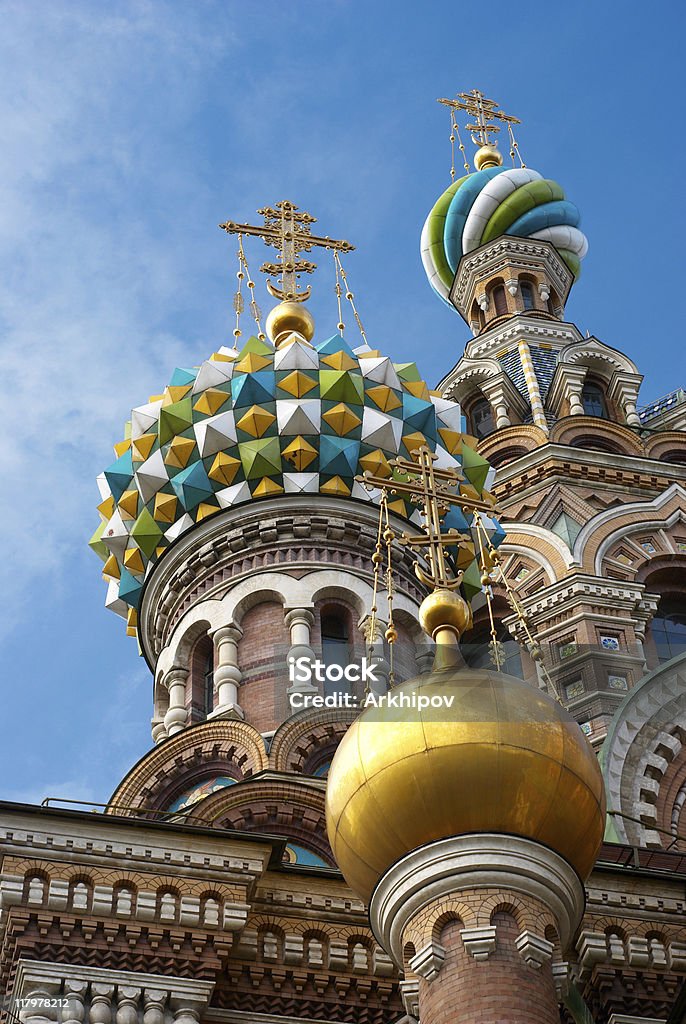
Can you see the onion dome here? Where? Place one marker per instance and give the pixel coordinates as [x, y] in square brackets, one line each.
[495, 201]
[265, 422]
[505, 758]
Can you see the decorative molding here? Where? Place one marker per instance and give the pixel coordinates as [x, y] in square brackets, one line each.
[479, 942]
[428, 961]
[534, 949]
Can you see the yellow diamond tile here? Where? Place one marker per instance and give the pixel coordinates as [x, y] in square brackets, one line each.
[205, 509]
[175, 392]
[342, 419]
[452, 441]
[384, 397]
[376, 463]
[266, 487]
[121, 447]
[132, 617]
[224, 468]
[335, 486]
[398, 506]
[211, 401]
[111, 569]
[221, 357]
[155, 398]
[413, 441]
[300, 453]
[340, 361]
[128, 504]
[142, 446]
[252, 362]
[298, 384]
[133, 560]
[106, 508]
[179, 452]
[165, 507]
[372, 354]
[417, 388]
[256, 421]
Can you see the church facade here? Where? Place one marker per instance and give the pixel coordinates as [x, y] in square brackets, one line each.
[240, 540]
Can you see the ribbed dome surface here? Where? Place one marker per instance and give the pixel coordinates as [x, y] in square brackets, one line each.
[261, 423]
[479, 207]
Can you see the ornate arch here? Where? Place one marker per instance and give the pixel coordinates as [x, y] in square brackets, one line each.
[597, 356]
[574, 428]
[603, 530]
[662, 444]
[276, 806]
[223, 746]
[645, 738]
[306, 735]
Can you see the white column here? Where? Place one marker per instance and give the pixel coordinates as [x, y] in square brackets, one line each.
[227, 675]
[299, 622]
[532, 386]
[175, 681]
[101, 1003]
[128, 999]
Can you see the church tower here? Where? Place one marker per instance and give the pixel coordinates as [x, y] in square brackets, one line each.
[418, 662]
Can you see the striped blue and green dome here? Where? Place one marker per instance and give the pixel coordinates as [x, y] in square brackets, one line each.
[495, 201]
[264, 422]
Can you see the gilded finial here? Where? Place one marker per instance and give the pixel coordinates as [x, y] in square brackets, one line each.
[287, 229]
[482, 128]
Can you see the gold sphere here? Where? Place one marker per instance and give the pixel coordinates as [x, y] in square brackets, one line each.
[289, 318]
[487, 156]
[444, 609]
[504, 758]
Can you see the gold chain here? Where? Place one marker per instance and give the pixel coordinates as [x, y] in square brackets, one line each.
[349, 296]
[532, 644]
[238, 297]
[514, 147]
[377, 562]
[254, 308]
[391, 632]
[495, 645]
[339, 294]
[455, 133]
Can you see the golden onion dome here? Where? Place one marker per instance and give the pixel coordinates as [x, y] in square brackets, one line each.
[505, 757]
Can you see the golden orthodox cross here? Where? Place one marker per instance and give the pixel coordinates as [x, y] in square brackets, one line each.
[287, 229]
[434, 490]
[483, 111]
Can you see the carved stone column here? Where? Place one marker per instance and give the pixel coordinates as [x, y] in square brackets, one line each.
[299, 622]
[177, 715]
[227, 675]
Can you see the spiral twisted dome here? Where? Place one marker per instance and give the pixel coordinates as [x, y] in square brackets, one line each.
[497, 201]
[264, 422]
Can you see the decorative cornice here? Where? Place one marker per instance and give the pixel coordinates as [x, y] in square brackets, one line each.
[450, 866]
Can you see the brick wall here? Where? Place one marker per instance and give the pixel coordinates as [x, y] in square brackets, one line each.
[262, 652]
[501, 990]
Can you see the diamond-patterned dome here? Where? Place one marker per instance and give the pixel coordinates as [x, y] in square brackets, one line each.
[264, 422]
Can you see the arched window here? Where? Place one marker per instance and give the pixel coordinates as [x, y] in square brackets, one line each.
[208, 679]
[593, 400]
[499, 300]
[481, 417]
[668, 629]
[200, 684]
[335, 645]
[527, 295]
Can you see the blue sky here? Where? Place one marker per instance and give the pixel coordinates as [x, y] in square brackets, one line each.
[129, 130]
